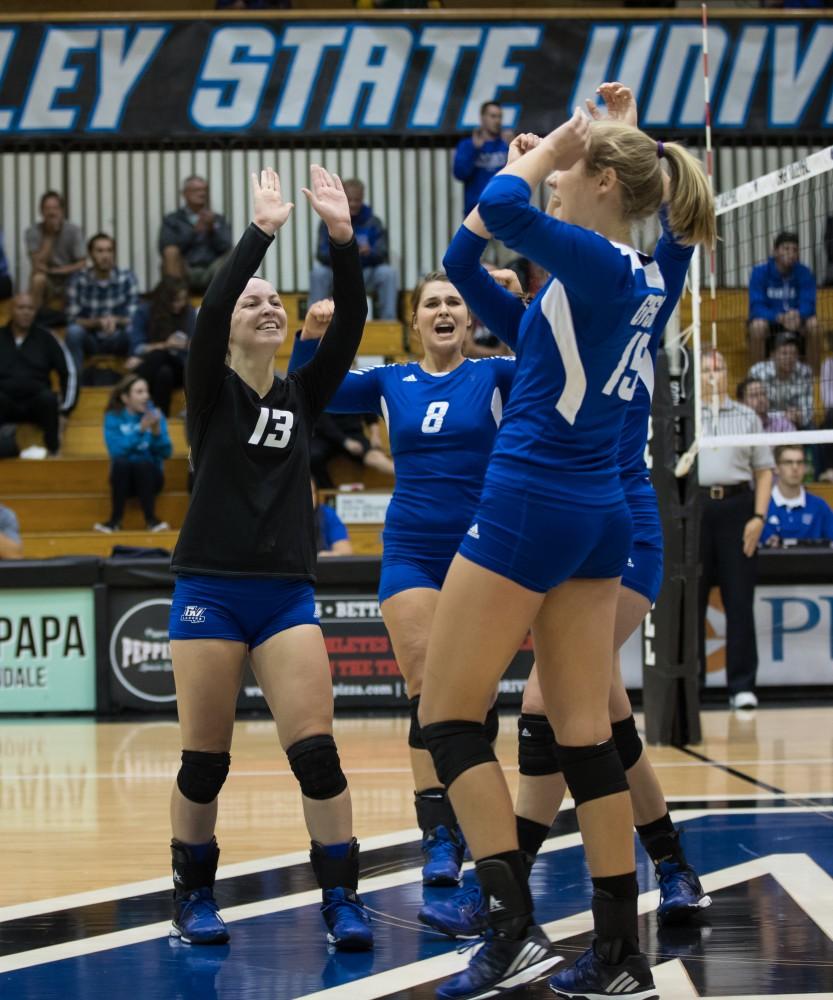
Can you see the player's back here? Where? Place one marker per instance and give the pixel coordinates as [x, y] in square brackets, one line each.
[579, 361]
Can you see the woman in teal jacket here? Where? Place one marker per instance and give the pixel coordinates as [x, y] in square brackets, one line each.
[136, 435]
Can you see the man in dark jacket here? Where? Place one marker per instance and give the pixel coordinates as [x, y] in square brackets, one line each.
[28, 356]
[372, 237]
[782, 297]
[194, 239]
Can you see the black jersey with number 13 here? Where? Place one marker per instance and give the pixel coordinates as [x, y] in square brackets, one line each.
[251, 507]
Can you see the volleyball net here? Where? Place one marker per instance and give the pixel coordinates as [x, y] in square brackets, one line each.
[761, 317]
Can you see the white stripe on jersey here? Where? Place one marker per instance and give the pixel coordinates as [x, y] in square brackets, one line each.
[383, 406]
[653, 275]
[497, 406]
[556, 310]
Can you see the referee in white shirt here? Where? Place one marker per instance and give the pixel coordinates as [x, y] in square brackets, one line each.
[736, 483]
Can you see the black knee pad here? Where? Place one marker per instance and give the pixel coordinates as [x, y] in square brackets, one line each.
[456, 746]
[537, 754]
[492, 723]
[314, 762]
[202, 775]
[415, 739]
[592, 772]
[628, 743]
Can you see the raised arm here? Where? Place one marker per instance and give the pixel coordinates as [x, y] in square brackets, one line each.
[499, 309]
[206, 365]
[323, 374]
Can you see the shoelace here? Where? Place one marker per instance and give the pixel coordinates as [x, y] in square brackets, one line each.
[196, 898]
[471, 896]
[336, 903]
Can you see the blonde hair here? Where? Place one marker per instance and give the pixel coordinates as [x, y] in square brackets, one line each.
[634, 156]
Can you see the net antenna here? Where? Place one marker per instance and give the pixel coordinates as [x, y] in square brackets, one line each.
[791, 198]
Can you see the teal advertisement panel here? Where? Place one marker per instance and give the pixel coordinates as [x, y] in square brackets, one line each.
[47, 650]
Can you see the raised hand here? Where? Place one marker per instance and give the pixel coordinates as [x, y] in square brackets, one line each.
[328, 200]
[270, 210]
[522, 144]
[619, 103]
[507, 278]
[569, 142]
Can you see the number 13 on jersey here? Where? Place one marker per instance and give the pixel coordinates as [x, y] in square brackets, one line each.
[433, 419]
[278, 437]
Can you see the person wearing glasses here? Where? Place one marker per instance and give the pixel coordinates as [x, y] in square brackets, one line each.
[794, 514]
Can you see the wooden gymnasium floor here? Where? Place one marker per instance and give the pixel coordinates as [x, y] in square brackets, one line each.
[84, 893]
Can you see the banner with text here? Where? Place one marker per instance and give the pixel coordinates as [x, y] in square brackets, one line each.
[266, 79]
[47, 651]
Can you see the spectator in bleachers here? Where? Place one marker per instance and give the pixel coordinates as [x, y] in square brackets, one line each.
[136, 435]
[380, 278]
[56, 251]
[782, 297]
[331, 535]
[159, 335]
[825, 451]
[29, 355]
[793, 512]
[341, 433]
[5, 276]
[11, 546]
[752, 393]
[481, 155]
[788, 381]
[194, 239]
[101, 301]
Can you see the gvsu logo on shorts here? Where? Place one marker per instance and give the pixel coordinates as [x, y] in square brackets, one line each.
[193, 615]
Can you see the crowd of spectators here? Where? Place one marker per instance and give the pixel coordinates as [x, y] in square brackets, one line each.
[82, 305]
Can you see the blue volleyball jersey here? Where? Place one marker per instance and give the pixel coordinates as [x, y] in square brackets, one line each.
[581, 346]
[441, 430]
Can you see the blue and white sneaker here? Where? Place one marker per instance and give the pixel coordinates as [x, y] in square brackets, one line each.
[501, 965]
[464, 914]
[443, 850]
[680, 892]
[589, 978]
[197, 918]
[347, 920]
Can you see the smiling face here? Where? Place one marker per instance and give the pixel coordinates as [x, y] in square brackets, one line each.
[441, 317]
[137, 396]
[259, 318]
[575, 194]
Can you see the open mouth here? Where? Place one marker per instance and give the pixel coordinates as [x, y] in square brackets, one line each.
[444, 327]
[270, 327]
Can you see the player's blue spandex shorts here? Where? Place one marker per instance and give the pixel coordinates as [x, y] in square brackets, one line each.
[241, 608]
[539, 543]
[643, 572]
[415, 561]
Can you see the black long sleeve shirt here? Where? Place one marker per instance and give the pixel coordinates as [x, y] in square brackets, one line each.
[251, 508]
[25, 369]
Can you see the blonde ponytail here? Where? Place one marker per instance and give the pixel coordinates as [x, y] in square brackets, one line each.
[691, 205]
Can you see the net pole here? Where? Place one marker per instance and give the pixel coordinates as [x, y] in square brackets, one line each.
[707, 104]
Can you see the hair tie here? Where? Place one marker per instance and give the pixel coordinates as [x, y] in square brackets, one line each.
[660, 150]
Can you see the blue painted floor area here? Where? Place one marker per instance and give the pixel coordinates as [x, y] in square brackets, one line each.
[755, 939]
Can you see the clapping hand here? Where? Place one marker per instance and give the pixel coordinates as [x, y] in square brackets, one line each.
[619, 102]
[327, 197]
[270, 210]
[522, 144]
[569, 142]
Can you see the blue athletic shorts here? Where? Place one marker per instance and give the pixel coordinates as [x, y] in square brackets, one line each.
[539, 543]
[420, 561]
[644, 570]
[242, 608]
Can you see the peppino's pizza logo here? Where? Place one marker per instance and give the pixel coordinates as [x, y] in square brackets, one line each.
[140, 651]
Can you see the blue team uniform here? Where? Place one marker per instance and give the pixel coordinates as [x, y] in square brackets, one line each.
[441, 430]
[807, 517]
[583, 347]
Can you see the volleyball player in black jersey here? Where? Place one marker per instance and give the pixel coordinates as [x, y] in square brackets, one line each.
[245, 562]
